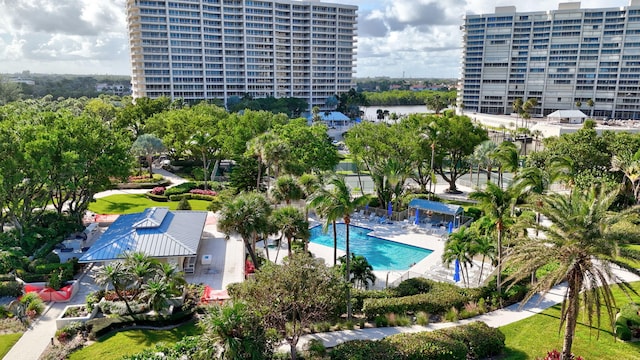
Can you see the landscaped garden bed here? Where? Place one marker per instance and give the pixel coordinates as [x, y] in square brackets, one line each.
[75, 313]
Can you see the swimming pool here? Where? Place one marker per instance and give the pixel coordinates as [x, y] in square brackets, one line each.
[382, 254]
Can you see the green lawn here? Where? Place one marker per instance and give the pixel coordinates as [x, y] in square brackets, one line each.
[134, 203]
[123, 343]
[7, 341]
[534, 336]
[633, 263]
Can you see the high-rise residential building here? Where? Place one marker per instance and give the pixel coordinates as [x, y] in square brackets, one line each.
[216, 49]
[569, 58]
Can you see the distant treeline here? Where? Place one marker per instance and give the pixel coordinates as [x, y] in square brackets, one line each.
[66, 86]
[406, 97]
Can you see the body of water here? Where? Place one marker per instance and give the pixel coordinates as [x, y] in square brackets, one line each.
[380, 253]
[370, 112]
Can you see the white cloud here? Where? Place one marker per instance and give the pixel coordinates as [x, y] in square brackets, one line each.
[414, 37]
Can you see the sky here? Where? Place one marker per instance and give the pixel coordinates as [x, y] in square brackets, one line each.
[396, 38]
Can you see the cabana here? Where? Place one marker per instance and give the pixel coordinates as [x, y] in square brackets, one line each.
[428, 207]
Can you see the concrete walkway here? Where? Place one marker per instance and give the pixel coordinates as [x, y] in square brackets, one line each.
[39, 335]
[496, 318]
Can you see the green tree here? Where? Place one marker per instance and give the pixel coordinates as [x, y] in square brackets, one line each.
[183, 204]
[340, 204]
[233, 332]
[483, 154]
[147, 145]
[156, 293]
[507, 157]
[496, 204]
[584, 243]
[517, 107]
[486, 247]
[361, 271]
[248, 216]
[208, 147]
[437, 102]
[291, 297]
[629, 166]
[286, 189]
[459, 246]
[115, 274]
[292, 224]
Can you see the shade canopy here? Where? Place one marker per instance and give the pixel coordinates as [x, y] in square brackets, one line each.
[436, 207]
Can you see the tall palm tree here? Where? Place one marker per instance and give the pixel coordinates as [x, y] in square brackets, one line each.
[485, 246]
[507, 157]
[207, 146]
[246, 215]
[459, 246]
[147, 145]
[483, 154]
[496, 203]
[585, 245]
[338, 203]
[309, 184]
[517, 107]
[258, 147]
[361, 271]
[564, 169]
[324, 203]
[292, 224]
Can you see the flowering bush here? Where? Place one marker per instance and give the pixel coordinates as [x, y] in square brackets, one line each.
[203, 192]
[158, 190]
[557, 355]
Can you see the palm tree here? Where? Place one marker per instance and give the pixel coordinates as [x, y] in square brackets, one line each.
[114, 274]
[483, 154]
[485, 246]
[590, 104]
[584, 244]
[459, 247]
[286, 189]
[309, 184]
[496, 204]
[147, 145]
[206, 145]
[537, 135]
[246, 215]
[361, 271]
[292, 224]
[156, 292]
[565, 170]
[630, 168]
[517, 107]
[258, 147]
[507, 157]
[338, 203]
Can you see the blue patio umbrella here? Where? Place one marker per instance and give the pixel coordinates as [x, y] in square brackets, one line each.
[450, 227]
[417, 219]
[390, 209]
[366, 208]
[456, 271]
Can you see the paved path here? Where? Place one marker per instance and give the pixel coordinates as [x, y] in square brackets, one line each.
[496, 318]
[36, 339]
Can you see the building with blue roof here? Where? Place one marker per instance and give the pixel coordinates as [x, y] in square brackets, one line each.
[169, 236]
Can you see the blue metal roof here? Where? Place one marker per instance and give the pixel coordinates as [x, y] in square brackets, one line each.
[436, 207]
[156, 232]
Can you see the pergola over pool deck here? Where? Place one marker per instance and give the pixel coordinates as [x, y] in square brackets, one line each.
[433, 207]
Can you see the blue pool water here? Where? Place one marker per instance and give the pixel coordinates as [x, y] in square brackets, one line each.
[382, 254]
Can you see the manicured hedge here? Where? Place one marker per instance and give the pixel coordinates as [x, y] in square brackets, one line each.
[358, 296]
[438, 300]
[181, 188]
[190, 196]
[7, 277]
[154, 197]
[472, 341]
[627, 317]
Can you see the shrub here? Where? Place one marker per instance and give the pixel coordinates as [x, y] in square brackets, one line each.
[473, 212]
[55, 279]
[158, 198]
[7, 277]
[481, 340]
[438, 300]
[34, 306]
[364, 350]
[203, 192]
[435, 345]
[359, 295]
[422, 318]
[184, 204]
[120, 308]
[316, 348]
[381, 321]
[158, 190]
[11, 288]
[181, 188]
[322, 327]
[556, 355]
[414, 286]
[69, 332]
[452, 315]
